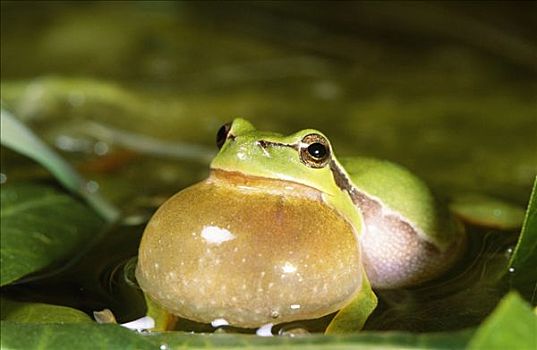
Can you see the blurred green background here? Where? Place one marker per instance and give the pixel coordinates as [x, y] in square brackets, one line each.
[447, 89]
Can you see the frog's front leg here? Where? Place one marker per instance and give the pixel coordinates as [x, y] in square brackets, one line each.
[408, 237]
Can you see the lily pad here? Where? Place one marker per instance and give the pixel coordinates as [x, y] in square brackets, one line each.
[41, 226]
[484, 211]
[41, 313]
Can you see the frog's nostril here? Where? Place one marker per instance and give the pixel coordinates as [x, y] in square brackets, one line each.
[261, 143]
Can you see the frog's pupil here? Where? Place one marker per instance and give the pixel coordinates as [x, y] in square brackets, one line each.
[317, 150]
[221, 135]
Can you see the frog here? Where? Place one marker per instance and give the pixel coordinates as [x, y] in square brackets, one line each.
[281, 230]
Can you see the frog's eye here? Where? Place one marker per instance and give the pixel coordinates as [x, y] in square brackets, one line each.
[221, 135]
[314, 151]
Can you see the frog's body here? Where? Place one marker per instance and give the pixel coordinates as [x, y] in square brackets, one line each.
[282, 231]
[408, 236]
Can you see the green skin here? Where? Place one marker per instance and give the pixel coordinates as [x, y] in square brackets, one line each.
[279, 232]
[406, 236]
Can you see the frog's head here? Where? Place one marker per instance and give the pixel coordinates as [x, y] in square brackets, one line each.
[304, 157]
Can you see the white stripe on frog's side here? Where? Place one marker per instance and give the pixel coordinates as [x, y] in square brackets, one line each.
[364, 200]
[396, 253]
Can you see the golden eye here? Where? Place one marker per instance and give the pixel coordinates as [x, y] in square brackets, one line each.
[315, 151]
[221, 135]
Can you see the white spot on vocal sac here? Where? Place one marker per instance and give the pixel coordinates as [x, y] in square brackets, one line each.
[288, 268]
[216, 235]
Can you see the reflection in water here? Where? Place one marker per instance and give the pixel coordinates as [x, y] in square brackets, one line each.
[461, 298]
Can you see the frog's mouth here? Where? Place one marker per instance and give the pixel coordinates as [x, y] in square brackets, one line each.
[252, 183]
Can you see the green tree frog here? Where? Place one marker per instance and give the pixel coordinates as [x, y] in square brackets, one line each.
[281, 230]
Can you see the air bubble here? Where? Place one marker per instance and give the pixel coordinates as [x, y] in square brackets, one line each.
[164, 347]
[509, 252]
[100, 148]
[92, 186]
[293, 330]
[274, 314]
[511, 269]
[76, 99]
[3, 178]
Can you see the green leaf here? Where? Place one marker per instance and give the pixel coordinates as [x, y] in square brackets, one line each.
[524, 260]
[41, 226]
[40, 313]
[513, 325]
[15, 135]
[353, 316]
[107, 336]
[486, 211]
